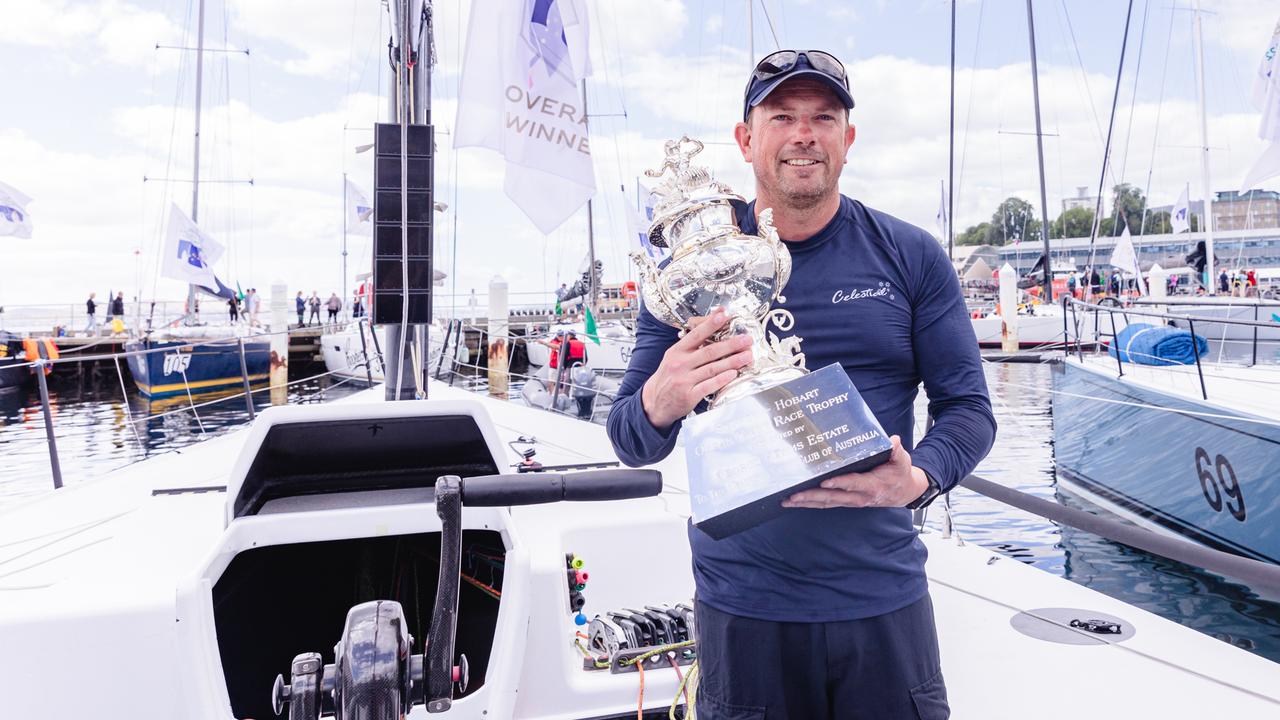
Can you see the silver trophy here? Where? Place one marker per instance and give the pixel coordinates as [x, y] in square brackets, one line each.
[713, 264]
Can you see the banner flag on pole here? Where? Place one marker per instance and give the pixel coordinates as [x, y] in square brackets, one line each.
[521, 96]
[189, 252]
[1124, 257]
[1266, 96]
[589, 324]
[639, 220]
[14, 218]
[359, 210]
[1181, 216]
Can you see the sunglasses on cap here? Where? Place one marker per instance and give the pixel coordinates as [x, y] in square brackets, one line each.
[784, 61]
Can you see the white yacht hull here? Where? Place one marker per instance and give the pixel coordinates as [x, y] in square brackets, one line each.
[119, 575]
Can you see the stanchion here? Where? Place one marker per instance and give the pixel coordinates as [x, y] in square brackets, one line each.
[48, 424]
[364, 350]
[279, 363]
[244, 375]
[497, 331]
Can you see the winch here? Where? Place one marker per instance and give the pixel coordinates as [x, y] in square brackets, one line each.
[374, 675]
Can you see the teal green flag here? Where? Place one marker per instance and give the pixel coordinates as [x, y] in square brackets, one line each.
[591, 327]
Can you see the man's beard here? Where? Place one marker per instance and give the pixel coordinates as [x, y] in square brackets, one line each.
[801, 195]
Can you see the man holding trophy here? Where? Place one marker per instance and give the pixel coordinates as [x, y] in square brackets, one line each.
[812, 599]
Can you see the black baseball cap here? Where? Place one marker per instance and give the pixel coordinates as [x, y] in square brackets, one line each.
[776, 68]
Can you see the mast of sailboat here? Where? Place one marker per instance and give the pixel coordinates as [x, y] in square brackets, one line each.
[1210, 281]
[1106, 157]
[591, 235]
[951, 147]
[1044, 201]
[409, 104]
[195, 169]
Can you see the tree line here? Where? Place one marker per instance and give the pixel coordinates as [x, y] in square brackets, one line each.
[1015, 220]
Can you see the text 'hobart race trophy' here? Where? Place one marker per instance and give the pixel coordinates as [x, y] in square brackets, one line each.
[788, 429]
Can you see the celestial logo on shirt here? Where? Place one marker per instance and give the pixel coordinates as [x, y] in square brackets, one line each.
[882, 289]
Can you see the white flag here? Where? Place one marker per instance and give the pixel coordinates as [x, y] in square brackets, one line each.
[1181, 216]
[639, 220]
[359, 211]
[14, 218]
[1266, 89]
[1266, 97]
[942, 219]
[520, 95]
[189, 252]
[1124, 258]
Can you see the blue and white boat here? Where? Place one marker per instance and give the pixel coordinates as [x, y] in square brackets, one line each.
[1192, 450]
[174, 366]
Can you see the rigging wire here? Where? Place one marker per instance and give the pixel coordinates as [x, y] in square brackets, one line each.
[165, 198]
[1084, 76]
[769, 21]
[968, 118]
[1106, 151]
[1155, 134]
[1133, 101]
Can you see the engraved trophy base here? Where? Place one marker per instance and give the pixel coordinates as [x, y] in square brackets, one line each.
[758, 446]
[747, 385]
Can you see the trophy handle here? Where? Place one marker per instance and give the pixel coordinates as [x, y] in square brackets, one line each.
[651, 290]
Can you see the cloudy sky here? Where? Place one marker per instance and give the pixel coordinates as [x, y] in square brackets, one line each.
[92, 107]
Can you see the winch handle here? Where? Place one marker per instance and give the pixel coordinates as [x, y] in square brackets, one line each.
[536, 488]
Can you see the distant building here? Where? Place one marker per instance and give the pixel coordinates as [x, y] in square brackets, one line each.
[1254, 209]
[1257, 248]
[1082, 200]
[1238, 211]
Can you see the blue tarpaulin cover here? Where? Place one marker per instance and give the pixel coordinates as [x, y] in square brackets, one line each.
[1148, 344]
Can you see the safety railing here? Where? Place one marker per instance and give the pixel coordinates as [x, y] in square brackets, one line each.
[1072, 309]
[562, 383]
[72, 319]
[40, 367]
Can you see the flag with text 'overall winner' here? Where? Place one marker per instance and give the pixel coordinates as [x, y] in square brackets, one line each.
[189, 252]
[14, 218]
[521, 96]
[1266, 96]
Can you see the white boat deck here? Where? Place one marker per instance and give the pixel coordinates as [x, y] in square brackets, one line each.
[111, 546]
[1249, 390]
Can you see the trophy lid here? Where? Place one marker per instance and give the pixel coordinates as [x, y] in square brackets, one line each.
[687, 190]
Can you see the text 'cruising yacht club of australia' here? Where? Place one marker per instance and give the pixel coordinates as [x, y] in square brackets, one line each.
[396, 554]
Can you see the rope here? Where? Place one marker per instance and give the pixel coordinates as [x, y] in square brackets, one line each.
[124, 394]
[1261, 576]
[191, 400]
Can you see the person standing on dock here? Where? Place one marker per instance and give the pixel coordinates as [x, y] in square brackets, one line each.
[301, 305]
[254, 303]
[314, 303]
[333, 306]
[824, 612]
[91, 309]
[117, 306]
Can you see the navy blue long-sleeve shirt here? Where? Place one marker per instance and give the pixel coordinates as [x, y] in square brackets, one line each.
[880, 297]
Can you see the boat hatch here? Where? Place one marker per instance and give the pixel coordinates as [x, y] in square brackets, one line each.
[361, 454]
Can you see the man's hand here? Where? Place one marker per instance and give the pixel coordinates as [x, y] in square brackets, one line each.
[893, 483]
[691, 370]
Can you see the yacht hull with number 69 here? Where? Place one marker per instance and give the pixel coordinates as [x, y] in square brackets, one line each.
[1148, 446]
